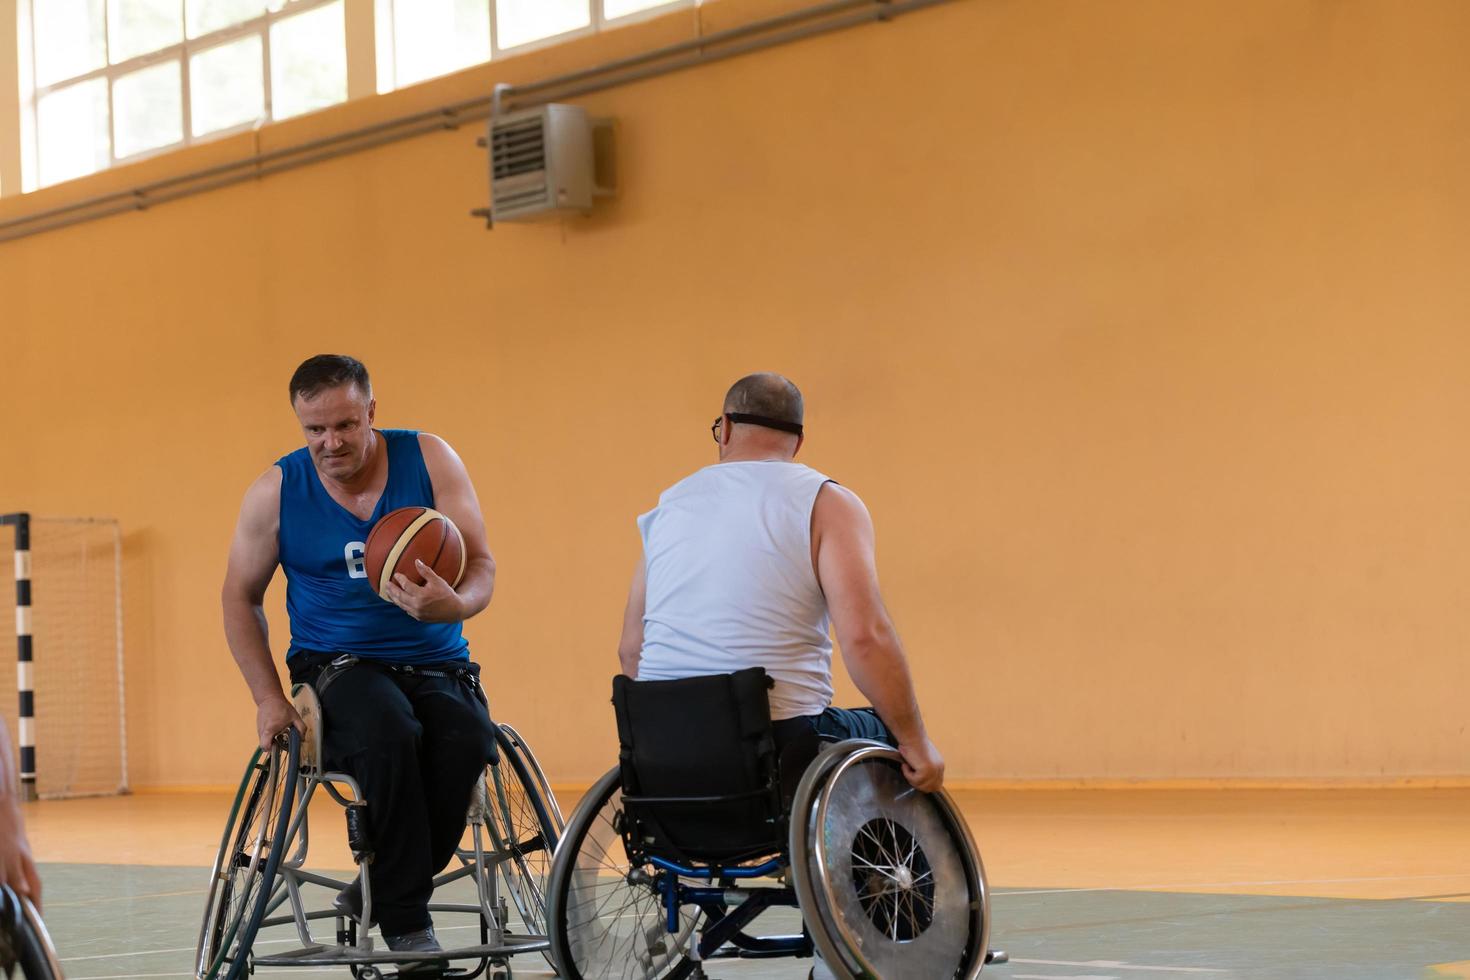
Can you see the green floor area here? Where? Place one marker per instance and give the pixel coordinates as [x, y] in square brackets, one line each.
[129, 923]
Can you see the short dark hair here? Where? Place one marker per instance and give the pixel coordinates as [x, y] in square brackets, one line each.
[767, 394]
[329, 371]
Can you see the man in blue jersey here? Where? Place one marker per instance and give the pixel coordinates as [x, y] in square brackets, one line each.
[404, 710]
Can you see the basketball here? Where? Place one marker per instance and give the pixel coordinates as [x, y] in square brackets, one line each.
[411, 534]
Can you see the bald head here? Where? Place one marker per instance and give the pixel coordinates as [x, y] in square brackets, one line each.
[766, 394]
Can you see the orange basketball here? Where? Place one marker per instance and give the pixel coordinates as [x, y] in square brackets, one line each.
[411, 534]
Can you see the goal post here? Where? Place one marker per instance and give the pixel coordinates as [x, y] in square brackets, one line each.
[69, 720]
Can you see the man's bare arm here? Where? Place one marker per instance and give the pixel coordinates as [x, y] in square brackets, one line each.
[454, 496]
[252, 564]
[843, 549]
[630, 644]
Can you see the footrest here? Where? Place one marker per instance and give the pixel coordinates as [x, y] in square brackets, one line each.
[340, 956]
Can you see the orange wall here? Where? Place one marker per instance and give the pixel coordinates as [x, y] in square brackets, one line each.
[1139, 326]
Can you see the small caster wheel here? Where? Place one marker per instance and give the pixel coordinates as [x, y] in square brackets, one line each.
[369, 973]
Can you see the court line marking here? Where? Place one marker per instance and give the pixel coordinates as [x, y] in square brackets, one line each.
[190, 949]
[132, 976]
[114, 956]
[1119, 965]
[121, 898]
[1225, 884]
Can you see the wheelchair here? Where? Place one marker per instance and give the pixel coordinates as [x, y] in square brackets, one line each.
[25, 946]
[259, 875]
[704, 826]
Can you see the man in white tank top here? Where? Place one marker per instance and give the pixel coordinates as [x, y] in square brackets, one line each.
[747, 562]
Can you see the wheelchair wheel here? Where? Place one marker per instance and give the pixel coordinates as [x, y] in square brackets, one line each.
[523, 823]
[888, 878]
[25, 946]
[245, 869]
[606, 919]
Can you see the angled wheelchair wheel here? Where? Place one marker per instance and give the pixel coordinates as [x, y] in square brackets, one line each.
[25, 947]
[888, 878]
[525, 824]
[606, 918]
[250, 851]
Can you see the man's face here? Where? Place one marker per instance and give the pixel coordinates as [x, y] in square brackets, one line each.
[338, 425]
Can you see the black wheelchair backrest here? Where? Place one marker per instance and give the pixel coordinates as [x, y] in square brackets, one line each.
[699, 767]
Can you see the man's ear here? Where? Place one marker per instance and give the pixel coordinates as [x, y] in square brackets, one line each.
[799, 440]
[372, 410]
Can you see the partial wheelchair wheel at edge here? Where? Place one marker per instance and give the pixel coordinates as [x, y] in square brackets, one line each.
[888, 878]
[25, 947]
[605, 918]
[250, 851]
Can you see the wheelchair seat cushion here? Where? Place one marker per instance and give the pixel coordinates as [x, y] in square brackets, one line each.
[699, 766]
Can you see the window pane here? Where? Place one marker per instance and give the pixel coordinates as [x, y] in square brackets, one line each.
[147, 108]
[71, 131]
[621, 8]
[211, 15]
[523, 21]
[435, 37]
[308, 61]
[137, 27]
[225, 86]
[70, 39]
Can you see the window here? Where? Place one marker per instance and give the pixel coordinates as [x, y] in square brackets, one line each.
[520, 22]
[226, 86]
[115, 79]
[429, 38]
[422, 39]
[147, 109]
[308, 61]
[105, 81]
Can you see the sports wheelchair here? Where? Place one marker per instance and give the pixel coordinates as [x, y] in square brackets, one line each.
[662, 863]
[25, 946]
[513, 825]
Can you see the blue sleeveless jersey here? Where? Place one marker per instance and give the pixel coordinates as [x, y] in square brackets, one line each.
[332, 607]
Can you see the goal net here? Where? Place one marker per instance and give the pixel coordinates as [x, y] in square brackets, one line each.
[75, 624]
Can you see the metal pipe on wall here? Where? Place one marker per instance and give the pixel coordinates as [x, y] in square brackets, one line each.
[782, 29]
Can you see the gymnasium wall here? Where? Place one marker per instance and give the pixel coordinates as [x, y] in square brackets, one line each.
[1139, 325]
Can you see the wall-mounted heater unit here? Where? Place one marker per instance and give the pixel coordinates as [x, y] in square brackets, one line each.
[544, 161]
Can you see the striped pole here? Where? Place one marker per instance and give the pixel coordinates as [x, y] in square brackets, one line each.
[26, 717]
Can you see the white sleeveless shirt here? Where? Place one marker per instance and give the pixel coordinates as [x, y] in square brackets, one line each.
[728, 555]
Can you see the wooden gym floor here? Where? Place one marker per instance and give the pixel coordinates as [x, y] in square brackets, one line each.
[1135, 884]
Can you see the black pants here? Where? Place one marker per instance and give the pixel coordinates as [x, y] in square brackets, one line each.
[416, 739]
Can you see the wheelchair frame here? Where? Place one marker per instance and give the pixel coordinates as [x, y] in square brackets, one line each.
[292, 772]
[690, 943]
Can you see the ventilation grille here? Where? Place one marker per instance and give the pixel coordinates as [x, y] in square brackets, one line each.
[518, 148]
[521, 200]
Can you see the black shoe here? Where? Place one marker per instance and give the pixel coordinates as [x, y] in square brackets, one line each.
[421, 941]
[349, 901]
